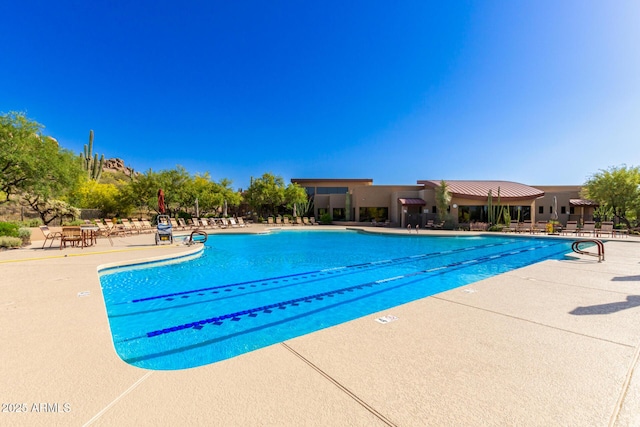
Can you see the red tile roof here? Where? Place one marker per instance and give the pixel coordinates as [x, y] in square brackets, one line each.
[509, 191]
[582, 202]
[415, 202]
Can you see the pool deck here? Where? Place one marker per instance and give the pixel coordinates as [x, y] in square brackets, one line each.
[555, 343]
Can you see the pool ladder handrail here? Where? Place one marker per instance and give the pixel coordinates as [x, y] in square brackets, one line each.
[198, 232]
[576, 248]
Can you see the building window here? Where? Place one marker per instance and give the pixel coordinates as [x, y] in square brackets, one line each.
[520, 213]
[332, 190]
[563, 209]
[377, 214]
[338, 214]
[322, 211]
[311, 191]
[540, 209]
[572, 210]
[472, 214]
[550, 209]
[434, 210]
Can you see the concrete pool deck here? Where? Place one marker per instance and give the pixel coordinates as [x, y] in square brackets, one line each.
[555, 343]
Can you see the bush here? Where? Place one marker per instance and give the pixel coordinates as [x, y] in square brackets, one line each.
[9, 229]
[326, 218]
[10, 242]
[24, 234]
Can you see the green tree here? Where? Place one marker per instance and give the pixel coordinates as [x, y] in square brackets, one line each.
[60, 178]
[295, 196]
[443, 198]
[266, 191]
[24, 154]
[106, 197]
[617, 188]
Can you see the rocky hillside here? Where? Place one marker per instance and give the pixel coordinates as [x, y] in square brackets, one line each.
[117, 165]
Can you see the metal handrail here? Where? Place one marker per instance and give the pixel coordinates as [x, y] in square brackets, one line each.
[199, 232]
[576, 248]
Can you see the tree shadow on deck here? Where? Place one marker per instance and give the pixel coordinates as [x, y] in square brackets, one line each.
[613, 307]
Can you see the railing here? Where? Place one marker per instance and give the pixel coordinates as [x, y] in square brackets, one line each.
[576, 248]
[200, 233]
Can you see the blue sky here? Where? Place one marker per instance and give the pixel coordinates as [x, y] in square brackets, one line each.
[539, 92]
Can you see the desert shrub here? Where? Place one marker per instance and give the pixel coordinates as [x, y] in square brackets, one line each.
[326, 218]
[9, 229]
[24, 234]
[10, 242]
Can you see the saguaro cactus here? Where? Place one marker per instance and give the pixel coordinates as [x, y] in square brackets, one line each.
[90, 161]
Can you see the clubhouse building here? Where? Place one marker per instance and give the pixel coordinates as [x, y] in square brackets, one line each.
[357, 201]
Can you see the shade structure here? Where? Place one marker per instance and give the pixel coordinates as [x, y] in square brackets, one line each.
[161, 207]
[413, 202]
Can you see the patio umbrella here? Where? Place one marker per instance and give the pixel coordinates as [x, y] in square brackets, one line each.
[555, 208]
[161, 207]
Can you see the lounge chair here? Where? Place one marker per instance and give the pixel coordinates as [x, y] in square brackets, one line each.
[589, 227]
[477, 226]
[278, 220]
[524, 227]
[286, 221]
[270, 221]
[571, 228]
[175, 225]
[539, 227]
[512, 227]
[241, 222]
[312, 220]
[233, 222]
[103, 231]
[606, 227]
[305, 220]
[49, 235]
[298, 221]
[139, 226]
[115, 229]
[183, 224]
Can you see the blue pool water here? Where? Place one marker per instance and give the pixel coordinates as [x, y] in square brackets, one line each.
[250, 291]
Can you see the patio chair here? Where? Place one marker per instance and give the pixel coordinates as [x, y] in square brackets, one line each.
[589, 227]
[524, 227]
[270, 221]
[49, 235]
[183, 224]
[305, 220]
[539, 227]
[606, 227]
[103, 231]
[512, 227]
[139, 226]
[129, 226]
[241, 222]
[298, 221]
[71, 235]
[571, 228]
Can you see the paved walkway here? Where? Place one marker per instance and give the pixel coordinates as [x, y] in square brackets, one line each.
[555, 343]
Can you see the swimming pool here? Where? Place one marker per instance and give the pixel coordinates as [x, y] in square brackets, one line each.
[250, 291]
